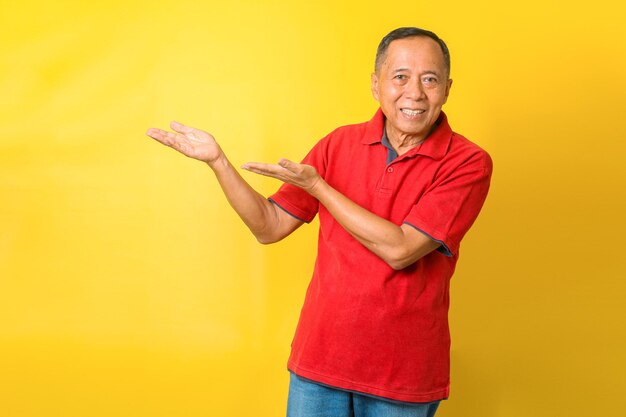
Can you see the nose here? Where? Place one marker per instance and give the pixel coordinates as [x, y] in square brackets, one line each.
[414, 89]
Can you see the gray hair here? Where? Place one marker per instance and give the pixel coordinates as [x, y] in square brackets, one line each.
[409, 32]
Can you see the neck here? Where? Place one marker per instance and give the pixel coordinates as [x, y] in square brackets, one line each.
[403, 143]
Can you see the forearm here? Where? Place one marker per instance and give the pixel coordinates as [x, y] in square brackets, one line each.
[384, 238]
[259, 214]
[265, 221]
[398, 246]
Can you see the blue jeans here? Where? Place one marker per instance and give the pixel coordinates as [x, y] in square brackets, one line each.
[308, 399]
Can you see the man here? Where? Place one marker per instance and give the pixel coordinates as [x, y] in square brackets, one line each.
[394, 195]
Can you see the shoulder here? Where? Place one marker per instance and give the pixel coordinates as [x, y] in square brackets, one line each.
[355, 130]
[353, 137]
[463, 152]
[366, 132]
[338, 146]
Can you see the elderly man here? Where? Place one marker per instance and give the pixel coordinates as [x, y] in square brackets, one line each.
[394, 195]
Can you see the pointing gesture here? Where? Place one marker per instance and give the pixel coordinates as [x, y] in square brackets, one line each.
[189, 141]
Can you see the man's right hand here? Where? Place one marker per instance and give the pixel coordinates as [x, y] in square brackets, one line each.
[265, 220]
[189, 141]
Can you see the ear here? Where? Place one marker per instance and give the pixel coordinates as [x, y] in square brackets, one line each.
[375, 86]
[448, 86]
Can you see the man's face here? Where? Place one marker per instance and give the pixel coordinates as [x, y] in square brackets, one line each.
[411, 85]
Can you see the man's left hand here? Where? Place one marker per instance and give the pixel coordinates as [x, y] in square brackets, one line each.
[300, 175]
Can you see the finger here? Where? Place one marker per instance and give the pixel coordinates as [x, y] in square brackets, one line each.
[153, 131]
[189, 132]
[158, 134]
[269, 170]
[288, 165]
[265, 173]
[259, 166]
[181, 128]
[165, 137]
[257, 170]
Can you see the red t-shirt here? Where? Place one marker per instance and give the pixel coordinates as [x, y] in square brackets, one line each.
[364, 326]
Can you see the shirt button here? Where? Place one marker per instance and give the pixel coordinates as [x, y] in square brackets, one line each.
[390, 169]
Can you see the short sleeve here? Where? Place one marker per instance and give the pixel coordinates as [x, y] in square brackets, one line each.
[294, 200]
[450, 206]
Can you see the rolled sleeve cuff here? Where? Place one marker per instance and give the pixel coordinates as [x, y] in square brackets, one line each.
[444, 248]
[292, 210]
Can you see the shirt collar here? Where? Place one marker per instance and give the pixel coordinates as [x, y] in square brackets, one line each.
[434, 146]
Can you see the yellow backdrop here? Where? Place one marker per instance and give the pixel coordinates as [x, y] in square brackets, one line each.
[129, 288]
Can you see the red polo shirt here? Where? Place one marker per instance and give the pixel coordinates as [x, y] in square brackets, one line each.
[364, 326]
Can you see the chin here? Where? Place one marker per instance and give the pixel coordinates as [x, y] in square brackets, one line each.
[415, 130]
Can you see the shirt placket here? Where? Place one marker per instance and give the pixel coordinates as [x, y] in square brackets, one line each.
[388, 179]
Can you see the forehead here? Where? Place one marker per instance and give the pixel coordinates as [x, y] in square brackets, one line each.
[420, 52]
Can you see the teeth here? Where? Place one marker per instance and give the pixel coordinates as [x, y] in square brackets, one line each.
[412, 112]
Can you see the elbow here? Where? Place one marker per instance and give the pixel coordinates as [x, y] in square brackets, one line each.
[263, 234]
[402, 256]
[266, 239]
[399, 264]
[399, 259]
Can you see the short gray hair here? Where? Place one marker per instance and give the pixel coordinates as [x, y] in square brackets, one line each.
[409, 32]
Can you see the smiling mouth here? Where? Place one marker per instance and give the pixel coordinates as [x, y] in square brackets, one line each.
[412, 113]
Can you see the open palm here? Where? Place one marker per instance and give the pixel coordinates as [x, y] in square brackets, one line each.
[189, 141]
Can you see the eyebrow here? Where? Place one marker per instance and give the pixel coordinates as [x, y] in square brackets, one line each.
[424, 73]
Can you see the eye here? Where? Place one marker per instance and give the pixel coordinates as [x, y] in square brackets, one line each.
[429, 80]
[400, 77]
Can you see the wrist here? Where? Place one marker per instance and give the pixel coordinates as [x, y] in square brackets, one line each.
[317, 189]
[217, 163]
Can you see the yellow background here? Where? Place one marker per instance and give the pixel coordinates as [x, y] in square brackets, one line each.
[129, 288]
